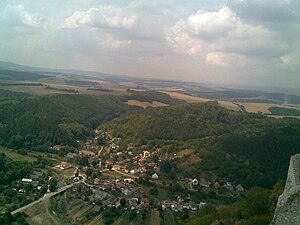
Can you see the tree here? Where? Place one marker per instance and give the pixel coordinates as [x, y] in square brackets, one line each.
[89, 172]
[52, 184]
[155, 158]
[2, 162]
[123, 202]
[165, 166]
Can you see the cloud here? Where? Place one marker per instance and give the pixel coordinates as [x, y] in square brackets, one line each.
[221, 31]
[291, 61]
[268, 11]
[101, 16]
[17, 15]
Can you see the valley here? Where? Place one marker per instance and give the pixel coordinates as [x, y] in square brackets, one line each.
[87, 150]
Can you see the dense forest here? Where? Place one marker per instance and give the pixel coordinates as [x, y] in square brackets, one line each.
[39, 122]
[150, 96]
[241, 147]
[6, 94]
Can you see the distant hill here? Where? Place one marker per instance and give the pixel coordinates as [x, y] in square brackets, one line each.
[41, 121]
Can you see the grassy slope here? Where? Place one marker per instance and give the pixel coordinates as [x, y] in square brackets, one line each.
[16, 156]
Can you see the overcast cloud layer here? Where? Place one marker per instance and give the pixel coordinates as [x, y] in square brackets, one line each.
[249, 42]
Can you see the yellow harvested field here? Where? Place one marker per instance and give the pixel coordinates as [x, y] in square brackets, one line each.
[229, 105]
[190, 99]
[264, 107]
[128, 84]
[187, 98]
[146, 104]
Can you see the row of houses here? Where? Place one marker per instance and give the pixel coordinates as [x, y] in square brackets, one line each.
[180, 205]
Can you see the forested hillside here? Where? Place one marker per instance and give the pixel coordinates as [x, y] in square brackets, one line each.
[41, 121]
[247, 148]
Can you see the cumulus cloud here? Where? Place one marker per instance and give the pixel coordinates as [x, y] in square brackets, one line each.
[101, 16]
[17, 15]
[213, 34]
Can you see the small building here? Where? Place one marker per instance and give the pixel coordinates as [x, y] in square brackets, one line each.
[65, 165]
[71, 155]
[146, 154]
[154, 176]
[128, 180]
[127, 191]
[57, 147]
[239, 188]
[145, 203]
[229, 186]
[217, 185]
[194, 206]
[195, 182]
[86, 152]
[134, 171]
[203, 182]
[202, 204]
[97, 181]
[26, 180]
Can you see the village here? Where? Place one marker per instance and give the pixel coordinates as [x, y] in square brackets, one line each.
[112, 177]
[103, 174]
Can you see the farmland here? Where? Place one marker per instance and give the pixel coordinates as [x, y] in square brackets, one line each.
[145, 104]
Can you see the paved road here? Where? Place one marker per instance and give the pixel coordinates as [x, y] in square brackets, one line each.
[46, 196]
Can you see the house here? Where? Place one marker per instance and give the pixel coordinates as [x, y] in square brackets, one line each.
[194, 206]
[71, 155]
[229, 186]
[239, 188]
[87, 145]
[104, 187]
[128, 180]
[186, 205]
[21, 191]
[217, 185]
[26, 180]
[133, 203]
[65, 165]
[146, 154]
[134, 171]
[57, 147]
[202, 204]
[167, 203]
[96, 209]
[130, 146]
[145, 203]
[86, 153]
[195, 182]
[127, 191]
[203, 182]
[154, 176]
[97, 181]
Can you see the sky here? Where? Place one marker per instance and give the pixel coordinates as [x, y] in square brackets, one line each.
[243, 42]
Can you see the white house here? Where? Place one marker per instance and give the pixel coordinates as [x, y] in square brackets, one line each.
[195, 182]
[155, 176]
